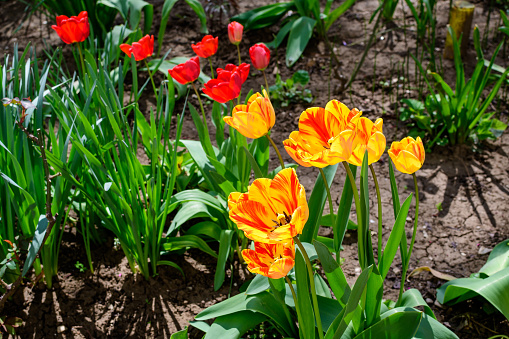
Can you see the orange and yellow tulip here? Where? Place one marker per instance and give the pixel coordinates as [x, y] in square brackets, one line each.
[270, 260]
[368, 135]
[271, 211]
[325, 136]
[407, 155]
[255, 119]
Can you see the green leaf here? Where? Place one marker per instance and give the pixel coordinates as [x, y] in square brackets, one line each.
[335, 14]
[208, 228]
[365, 249]
[190, 210]
[398, 231]
[259, 284]
[263, 16]
[345, 205]
[398, 325]
[198, 9]
[413, 298]
[374, 291]
[307, 323]
[234, 325]
[224, 250]
[338, 327]
[300, 34]
[180, 334]
[493, 289]
[171, 264]
[281, 35]
[498, 259]
[231, 305]
[257, 172]
[187, 241]
[334, 273]
[165, 16]
[36, 243]
[317, 203]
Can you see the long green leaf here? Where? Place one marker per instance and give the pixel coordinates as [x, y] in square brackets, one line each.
[300, 34]
[232, 326]
[307, 323]
[339, 325]
[398, 231]
[224, 250]
[334, 273]
[317, 203]
[399, 325]
[495, 289]
[36, 243]
[335, 14]
[165, 16]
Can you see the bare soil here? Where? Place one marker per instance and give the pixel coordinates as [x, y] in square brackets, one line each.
[471, 188]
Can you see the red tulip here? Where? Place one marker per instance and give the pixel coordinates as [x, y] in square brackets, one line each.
[207, 47]
[243, 70]
[186, 72]
[235, 32]
[260, 56]
[225, 88]
[73, 29]
[141, 49]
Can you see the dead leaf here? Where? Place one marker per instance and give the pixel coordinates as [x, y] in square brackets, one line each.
[436, 273]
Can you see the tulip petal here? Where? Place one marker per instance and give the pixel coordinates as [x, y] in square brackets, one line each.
[254, 219]
[249, 125]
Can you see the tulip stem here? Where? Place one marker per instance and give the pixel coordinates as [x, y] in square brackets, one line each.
[416, 218]
[329, 197]
[81, 59]
[354, 189]
[201, 105]
[357, 208]
[406, 261]
[238, 51]
[277, 151]
[152, 80]
[379, 201]
[299, 315]
[266, 83]
[312, 286]
[211, 68]
[240, 61]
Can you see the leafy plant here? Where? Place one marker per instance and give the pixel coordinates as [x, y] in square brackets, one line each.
[102, 13]
[292, 90]
[462, 112]
[165, 16]
[80, 267]
[505, 23]
[356, 311]
[299, 26]
[425, 25]
[23, 200]
[491, 282]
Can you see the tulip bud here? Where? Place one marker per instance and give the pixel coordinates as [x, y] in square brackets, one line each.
[235, 32]
[260, 56]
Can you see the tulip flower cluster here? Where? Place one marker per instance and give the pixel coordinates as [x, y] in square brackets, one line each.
[273, 212]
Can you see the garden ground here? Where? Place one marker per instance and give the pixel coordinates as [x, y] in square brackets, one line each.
[464, 195]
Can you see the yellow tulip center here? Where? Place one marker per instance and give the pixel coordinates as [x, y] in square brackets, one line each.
[281, 220]
[329, 143]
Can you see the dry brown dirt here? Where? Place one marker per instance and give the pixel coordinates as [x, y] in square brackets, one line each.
[472, 189]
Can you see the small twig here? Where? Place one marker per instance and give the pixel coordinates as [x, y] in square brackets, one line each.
[36, 280]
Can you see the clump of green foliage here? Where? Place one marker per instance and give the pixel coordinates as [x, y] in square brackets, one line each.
[292, 90]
